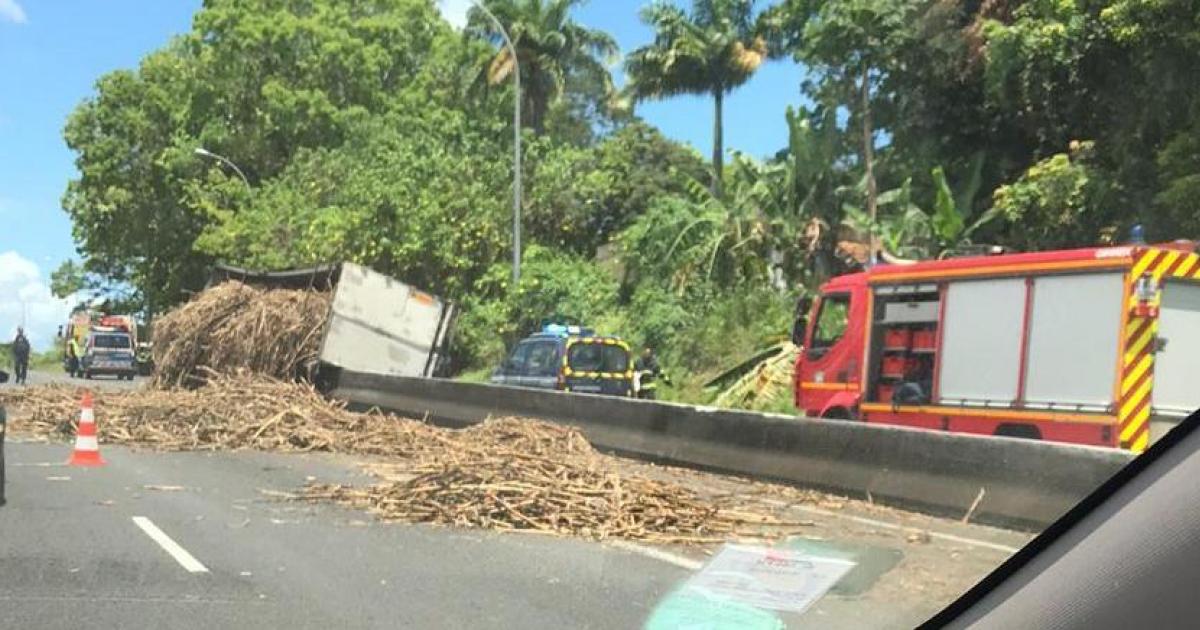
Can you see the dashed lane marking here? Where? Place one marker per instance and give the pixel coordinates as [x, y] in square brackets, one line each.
[181, 555]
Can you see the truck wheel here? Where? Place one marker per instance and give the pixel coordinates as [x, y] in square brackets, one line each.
[838, 413]
[1022, 431]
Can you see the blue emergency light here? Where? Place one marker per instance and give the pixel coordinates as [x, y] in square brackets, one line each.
[567, 331]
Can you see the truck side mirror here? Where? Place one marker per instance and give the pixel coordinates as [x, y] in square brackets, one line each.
[798, 328]
[800, 322]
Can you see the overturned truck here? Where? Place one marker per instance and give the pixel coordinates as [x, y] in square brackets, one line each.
[375, 324]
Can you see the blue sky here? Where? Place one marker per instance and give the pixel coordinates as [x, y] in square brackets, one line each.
[52, 52]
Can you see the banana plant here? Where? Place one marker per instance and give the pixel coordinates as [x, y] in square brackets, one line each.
[906, 230]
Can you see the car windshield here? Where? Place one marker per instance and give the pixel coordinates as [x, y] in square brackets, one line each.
[111, 342]
[557, 313]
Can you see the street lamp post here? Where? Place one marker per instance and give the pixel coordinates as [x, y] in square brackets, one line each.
[201, 151]
[512, 50]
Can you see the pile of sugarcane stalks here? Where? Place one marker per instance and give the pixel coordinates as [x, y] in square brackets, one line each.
[533, 477]
[234, 326]
[508, 473]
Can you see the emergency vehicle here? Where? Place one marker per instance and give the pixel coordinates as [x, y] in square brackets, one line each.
[107, 344]
[569, 358]
[1097, 346]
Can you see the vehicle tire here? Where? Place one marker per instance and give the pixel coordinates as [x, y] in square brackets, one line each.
[839, 413]
[87, 375]
[1021, 431]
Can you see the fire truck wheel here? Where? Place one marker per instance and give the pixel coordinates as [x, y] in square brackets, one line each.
[1023, 431]
[838, 413]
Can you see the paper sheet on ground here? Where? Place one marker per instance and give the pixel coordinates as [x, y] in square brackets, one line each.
[771, 578]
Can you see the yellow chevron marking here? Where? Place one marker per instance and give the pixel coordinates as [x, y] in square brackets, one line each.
[1132, 377]
[1162, 267]
[1138, 345]
[1135, 424]
[1143, 263]
[1137, 397]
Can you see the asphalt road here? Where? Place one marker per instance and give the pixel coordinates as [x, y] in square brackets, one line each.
[75, 551]
[71, 555]
[43, 377]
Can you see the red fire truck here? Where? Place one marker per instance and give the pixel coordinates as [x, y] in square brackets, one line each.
[1096, 346]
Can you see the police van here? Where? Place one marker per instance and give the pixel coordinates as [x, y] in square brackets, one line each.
[569, 358]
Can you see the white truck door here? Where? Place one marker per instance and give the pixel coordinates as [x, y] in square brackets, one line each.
[1177, 364]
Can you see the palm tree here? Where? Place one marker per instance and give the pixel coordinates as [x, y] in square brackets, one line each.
[711, 51]
[551, 49]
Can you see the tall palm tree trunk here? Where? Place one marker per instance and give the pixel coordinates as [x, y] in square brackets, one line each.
[718, 156]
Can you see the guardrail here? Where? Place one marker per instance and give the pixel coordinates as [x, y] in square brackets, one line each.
[1026, 483]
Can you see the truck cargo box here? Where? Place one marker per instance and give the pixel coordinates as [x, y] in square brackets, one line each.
[376, 324]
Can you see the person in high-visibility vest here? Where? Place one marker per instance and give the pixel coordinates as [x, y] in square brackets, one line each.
[74, 356]
[648, 371]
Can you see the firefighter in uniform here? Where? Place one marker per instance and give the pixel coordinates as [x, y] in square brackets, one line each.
[73, 357]
[648, 372]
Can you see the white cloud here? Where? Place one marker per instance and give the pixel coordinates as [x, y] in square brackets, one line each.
[455, 11]
[25, 295]
[10, 11]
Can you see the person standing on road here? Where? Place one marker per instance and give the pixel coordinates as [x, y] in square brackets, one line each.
[648, 371]
[73, 357]
[20, 350]
[3, 426]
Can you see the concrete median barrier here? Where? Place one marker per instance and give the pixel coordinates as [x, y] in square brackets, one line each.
[1024, 482]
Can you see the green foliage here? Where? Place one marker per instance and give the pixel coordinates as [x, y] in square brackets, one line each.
[553, 285]
[554, 52]
[733, 326]
[68, 279]
[1053, 203]
[383, 199]
[256, 82]
[1178, 201]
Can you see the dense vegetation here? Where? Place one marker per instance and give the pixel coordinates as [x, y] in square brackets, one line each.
[372, 131]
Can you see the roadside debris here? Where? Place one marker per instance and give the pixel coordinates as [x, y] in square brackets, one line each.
[508, 473]
[517, 474]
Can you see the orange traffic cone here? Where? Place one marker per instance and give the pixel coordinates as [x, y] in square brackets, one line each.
[87, 447]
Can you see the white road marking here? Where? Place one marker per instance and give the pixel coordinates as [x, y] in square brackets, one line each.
[658, 554]
[886, 525]
[181, 555]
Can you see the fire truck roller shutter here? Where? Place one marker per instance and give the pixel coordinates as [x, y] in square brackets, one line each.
[1177, 365]
[981, 341]
[1074, 330]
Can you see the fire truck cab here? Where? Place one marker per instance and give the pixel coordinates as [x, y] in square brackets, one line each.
[1095, 346]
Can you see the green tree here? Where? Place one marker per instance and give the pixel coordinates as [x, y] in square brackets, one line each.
[851, 46]
[578, 198]
[711, 51]
[68, 279]
[1056, 203]
[382, 199]
[254, 81]
[553, 52]
[130, 218]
